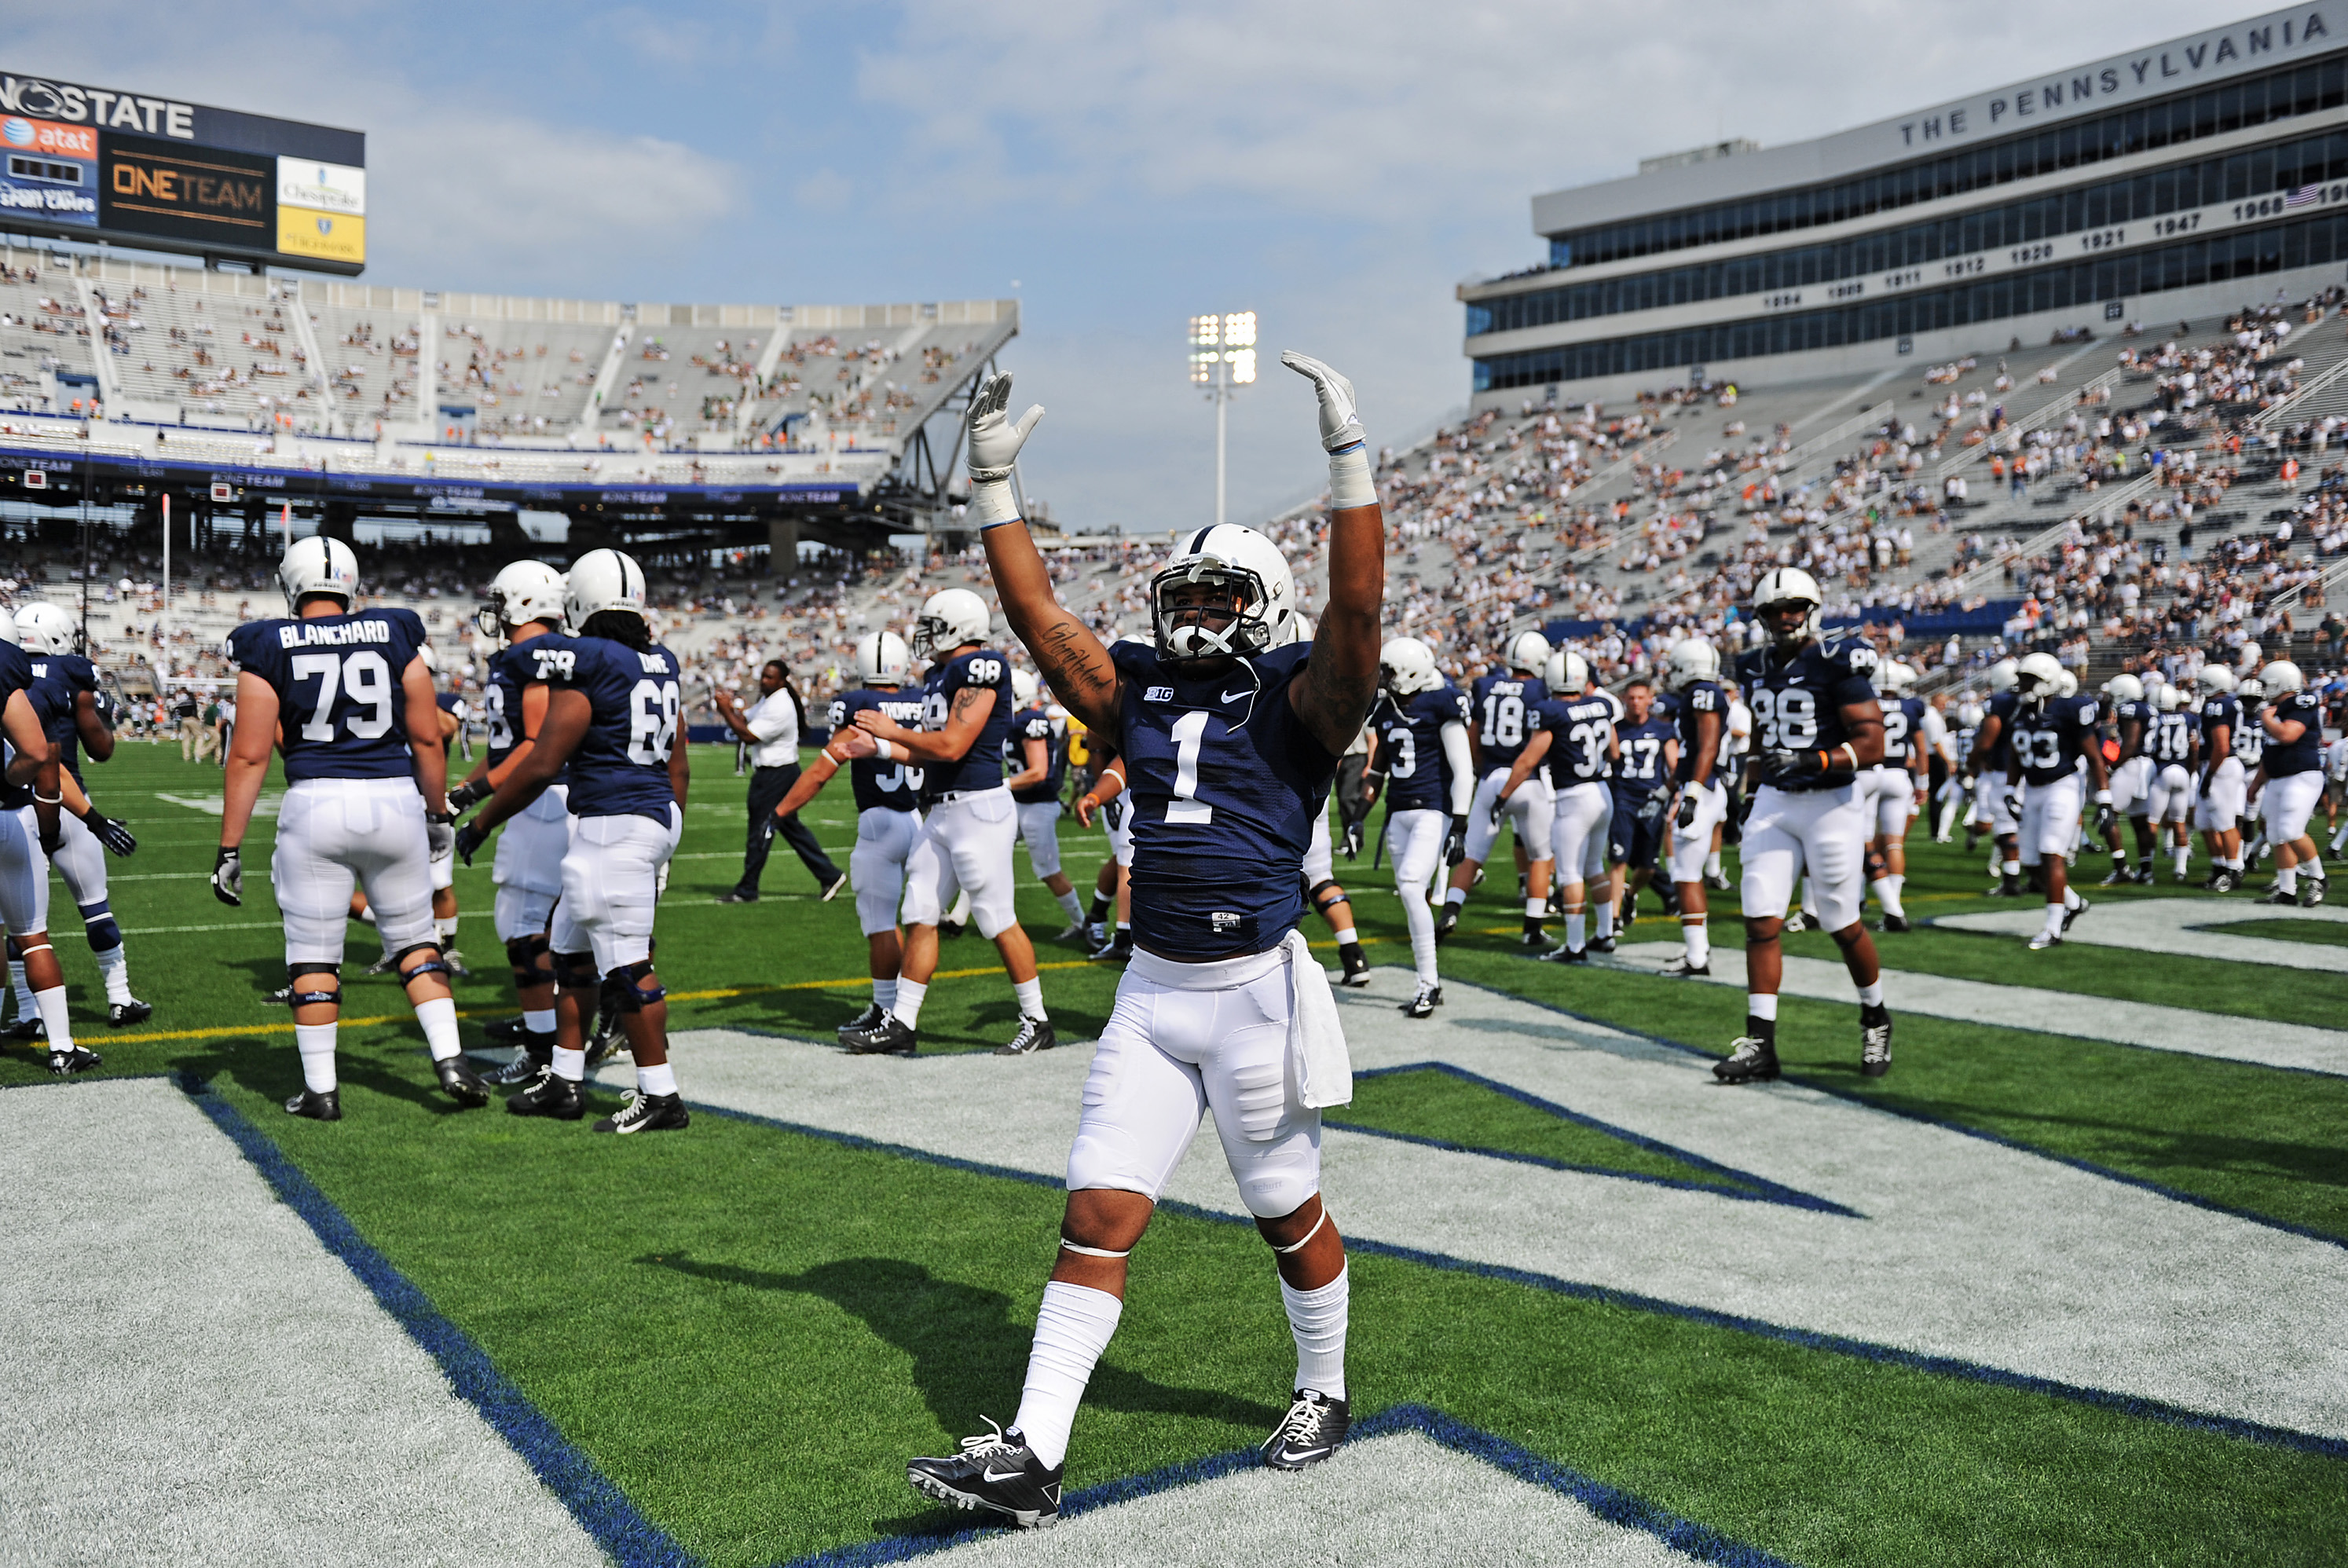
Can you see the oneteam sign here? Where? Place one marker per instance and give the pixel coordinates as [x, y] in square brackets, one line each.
[2259, 44]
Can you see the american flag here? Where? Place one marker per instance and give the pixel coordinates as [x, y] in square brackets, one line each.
[2303, 196]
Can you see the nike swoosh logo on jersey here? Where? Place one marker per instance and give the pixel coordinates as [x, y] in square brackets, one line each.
[1235, 695]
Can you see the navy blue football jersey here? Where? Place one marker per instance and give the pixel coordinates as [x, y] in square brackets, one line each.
[2250, 738]
[621, 767]
[1903, 724]
[2049, 738]
[894, 785]
[1502, 709]
[1035, 724]
[340, 711]
[2284, 757]
[2173, 737]
[15, 675]
[58, 681]
[1702, 698]
[1639, 770]
[1226, 783]
[1798, 702]
[1410, 745]
[2220, 709]
[2141, 714]
[1580, 728]
[981, 767]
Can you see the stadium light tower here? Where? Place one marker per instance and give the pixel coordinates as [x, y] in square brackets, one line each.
[1222, 359]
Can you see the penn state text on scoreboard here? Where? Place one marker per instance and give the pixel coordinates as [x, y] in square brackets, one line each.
[95, 163]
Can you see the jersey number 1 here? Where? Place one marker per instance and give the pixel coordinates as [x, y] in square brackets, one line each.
[1186, 807]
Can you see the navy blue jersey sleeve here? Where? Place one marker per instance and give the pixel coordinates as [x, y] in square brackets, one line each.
[15, 675]
[634, 697]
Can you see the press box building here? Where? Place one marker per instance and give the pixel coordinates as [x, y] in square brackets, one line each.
[2169, 183]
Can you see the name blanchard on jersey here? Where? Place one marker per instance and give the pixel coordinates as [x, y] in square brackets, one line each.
[310, 634]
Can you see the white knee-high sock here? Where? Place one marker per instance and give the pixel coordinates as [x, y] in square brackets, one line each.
[316, 1044]
[884, 994]
[438, 1018]
[1576, 929]
[1695, 930]
[55, 1023]
[25, 1008]
[1074, 905]
[1072, 1329]
[114, 968]
[1317, 1318]
[1421, 920]
[907, 1007]
[1604, 914]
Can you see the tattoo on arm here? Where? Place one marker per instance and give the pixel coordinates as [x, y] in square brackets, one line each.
[971, 699]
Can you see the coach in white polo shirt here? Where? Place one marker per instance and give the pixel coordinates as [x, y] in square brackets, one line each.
[770, 727]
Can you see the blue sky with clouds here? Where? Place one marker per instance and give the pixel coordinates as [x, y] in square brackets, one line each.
[1119, 165]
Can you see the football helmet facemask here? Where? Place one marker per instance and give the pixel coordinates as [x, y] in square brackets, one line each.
[1260, 597]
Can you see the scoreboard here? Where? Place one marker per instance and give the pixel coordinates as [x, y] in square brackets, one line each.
[95, 163]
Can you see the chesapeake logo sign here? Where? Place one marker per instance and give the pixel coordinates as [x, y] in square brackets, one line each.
[2259, 44]
[39, 98]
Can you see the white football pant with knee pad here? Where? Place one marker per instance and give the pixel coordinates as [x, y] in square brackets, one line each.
[1890, 800]
[876, 866]
[2131, 787]
[1818, 833]
[528, 870]
[1692, 845]
[1532, 809]
[24, 873]
[1414, 844]
[2050, 818]
[1319, 855]
[2286, 802]
[334, 833]
[1583, 818]
[1039, 830]
[965, 846]
[2168, 795]
[611, 887]
[81, 860]
[2220, 805]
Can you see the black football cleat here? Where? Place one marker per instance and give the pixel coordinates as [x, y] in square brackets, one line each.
[318, 1106]
[1448, 921]
[520, 1070]
[73, 1059]
[456, 963]
[1874, 1040]
[735, 895]
[1681, 969]
[1534, 935]
[648, 1113]
[893, 1036]
[1602, 944]
[1356, 965]
[1311, 1432]
[996, 1473]
[1035, 1034]
[1895, 923]
[2118, 878]
[1748, 1061]
[2311, 891]
[134, 1011]
[507, 1031]
[608, 1039]
[1716, 881]
[282, 997]
[867, 1019]
[833, 889]
[1117, 948]
[1423, 1001]
[28, 1027]
[460, 1083]
[2074, 912]
[1797, 923]
[1566, 955]
[549, 1094]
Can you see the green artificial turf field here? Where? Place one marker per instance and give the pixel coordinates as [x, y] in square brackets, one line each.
[747, 1327]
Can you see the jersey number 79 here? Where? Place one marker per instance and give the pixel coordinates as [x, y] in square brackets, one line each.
[363, 680]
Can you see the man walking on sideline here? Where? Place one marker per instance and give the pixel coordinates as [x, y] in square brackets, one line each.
[770, 729]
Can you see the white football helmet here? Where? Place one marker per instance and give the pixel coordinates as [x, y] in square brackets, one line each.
[2253, 691]
[2214, 676]
[1969, 714]
[1895, 677]
[1692, 659]
[431, 660]
[2038, 677]
[319, 565]
[1263, 590]
[2001, 675]
[1568, 671]
[2281, 675]
[1407, 666]
[1528, 652]
[602, 580]
[46, 628]
[2171, 699]
[521, 592]
[9, 632]
[2124, 688]
[1790, 585]
[1024, 687]
[950, 618]
[2068, 686]
[882, 659]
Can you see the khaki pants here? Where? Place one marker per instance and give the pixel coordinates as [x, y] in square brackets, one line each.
[191, 733]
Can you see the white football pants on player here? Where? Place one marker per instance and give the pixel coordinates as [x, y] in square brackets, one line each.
[2050, 818]
[1414, 844]
[2168, 793]
[2131, 787]
[24, 873]
[528, 870]
[1532, 809]
[1692, 845]
[2288, 801]
[965, 847]
[1820, 834]
[2221, 806]
[1993, 806]
[611, 887]
[334, 832]
[876, 866]
[1583, 817]
[1319, 855]
[1890, 800]
[1039, 830]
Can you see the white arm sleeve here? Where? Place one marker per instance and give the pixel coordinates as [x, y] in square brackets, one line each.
[1462, 766]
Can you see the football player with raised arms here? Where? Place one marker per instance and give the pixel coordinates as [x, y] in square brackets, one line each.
[1038, 751]
[34, 794]
[1421, 762]
[2053, 734]
[969, 821]
[525, 604]
[1694, 670]
[66, 696]
[1898, 788]
[888, 811]
[2292, 762]
[1817, 726]
[366, 797]
[612, 702]
[1500, 707]
[1574, 741]
[1231, 731]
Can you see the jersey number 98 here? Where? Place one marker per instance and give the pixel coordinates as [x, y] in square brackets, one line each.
[1788, 720]
[652, 722]
[983, 672]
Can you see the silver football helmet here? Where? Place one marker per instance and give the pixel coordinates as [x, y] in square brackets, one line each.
[951, 618]
[521, 592]
[1407, 666]
[882, 659]
[319, 565]
[1264, 595]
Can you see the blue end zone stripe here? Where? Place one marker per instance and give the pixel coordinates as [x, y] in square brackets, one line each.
[1808, 1339]
[1612, 1504]
[1752, 1188]
[601, 1508]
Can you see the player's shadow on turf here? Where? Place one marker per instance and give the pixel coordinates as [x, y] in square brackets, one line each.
[269, 1065]
[969, 1356]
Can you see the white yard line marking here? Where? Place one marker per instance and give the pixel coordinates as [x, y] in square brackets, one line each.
[2223, 1036]
[1968, 1248]
[2175, 926]
[227, 1391]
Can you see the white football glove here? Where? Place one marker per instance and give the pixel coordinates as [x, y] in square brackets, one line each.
[995, 441]
[1341, 422]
